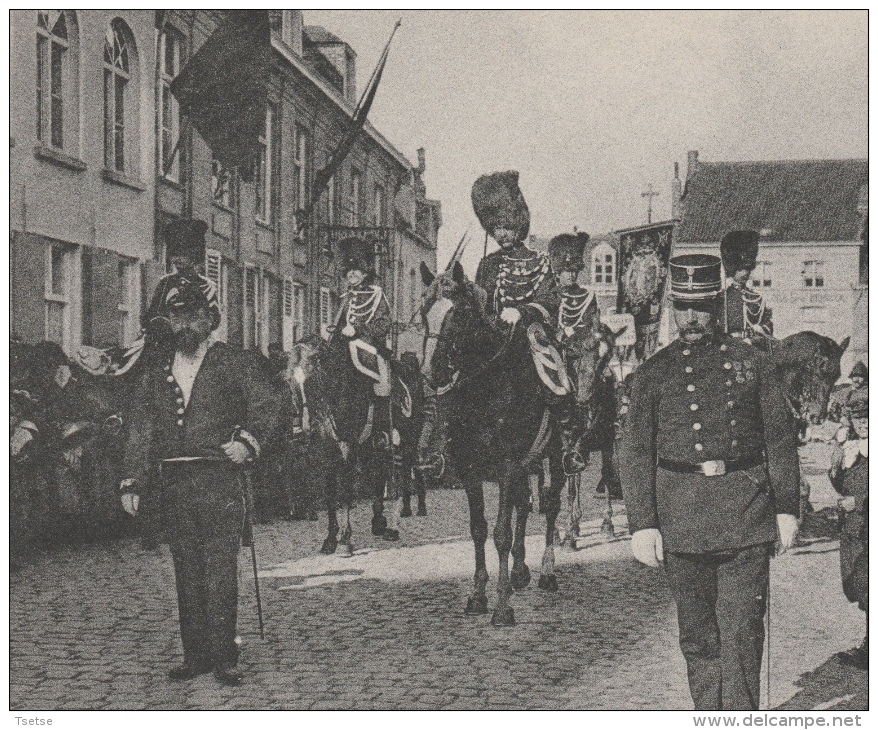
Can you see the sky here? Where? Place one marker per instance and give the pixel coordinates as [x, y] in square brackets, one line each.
[591, 107]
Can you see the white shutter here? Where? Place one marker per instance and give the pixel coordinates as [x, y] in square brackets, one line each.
[325, 312]
[216, 270]
[288, 328]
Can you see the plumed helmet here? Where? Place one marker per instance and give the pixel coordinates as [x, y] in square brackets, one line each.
[187, 294]
[566, 252]
[355, 253]
[860, 370]
[498, 203]
[185, 237]
[738, 250]
[695, 277]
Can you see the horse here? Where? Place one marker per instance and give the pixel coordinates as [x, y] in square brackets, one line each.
[349, 431]
[497, 416]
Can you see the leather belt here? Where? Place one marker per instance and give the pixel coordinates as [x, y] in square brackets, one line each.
[715, 468]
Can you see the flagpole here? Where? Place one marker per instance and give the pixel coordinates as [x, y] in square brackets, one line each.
[166, 167]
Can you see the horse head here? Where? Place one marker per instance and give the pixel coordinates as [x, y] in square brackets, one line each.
[456, 332]
[809, 365]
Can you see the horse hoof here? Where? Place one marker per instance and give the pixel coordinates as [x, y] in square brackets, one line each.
[329, 546]
[607, 528]
[406, 512]
[548, 583]
[379, 524]
[520, 578]
[422, 510]
[476, 605]
[503, 617]
[346, 550]
[391, 535]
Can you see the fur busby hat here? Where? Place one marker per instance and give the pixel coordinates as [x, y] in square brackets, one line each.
[695, 277]
[355, 253]
[186, 238]
[738, 250]
[185, 294]
[566, 252]
[860, 370]
[498, 203]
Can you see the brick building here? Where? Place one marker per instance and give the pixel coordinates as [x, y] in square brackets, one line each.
[93, 124]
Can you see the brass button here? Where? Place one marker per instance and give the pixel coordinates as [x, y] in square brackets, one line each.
[690, 388]
[731, 404]
[727, 365]
[696, 426]
[733, 422]
[167, 368]
[180, 422]
[728, 383]
[698, 447]
[723, 348]
[180, 401]
[688, 368]
[170, 378]
[734, 443]
[686, 352]
[180, 411]
[177, 389]
[693, 407]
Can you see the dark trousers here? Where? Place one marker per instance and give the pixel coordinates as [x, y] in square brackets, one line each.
[205, 518]
[721, 600]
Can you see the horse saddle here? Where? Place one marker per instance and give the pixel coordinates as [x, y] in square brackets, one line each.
[372, 364]
[550, 367]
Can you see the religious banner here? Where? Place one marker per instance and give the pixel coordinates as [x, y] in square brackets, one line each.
[643, 269]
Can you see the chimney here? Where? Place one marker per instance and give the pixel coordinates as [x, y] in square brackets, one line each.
[676, 193]
[692, 163]
[422, 160]
[297, 23]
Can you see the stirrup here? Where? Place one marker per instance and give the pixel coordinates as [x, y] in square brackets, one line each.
[573, 462]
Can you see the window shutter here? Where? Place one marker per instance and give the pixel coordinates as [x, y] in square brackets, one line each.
[28, 287]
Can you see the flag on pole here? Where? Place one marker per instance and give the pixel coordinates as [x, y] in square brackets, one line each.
[354, 127]
[223, 90]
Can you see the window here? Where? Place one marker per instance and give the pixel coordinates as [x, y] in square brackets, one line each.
[331, 198]
[58, 290]
[56, 82]
[119, 100]
[221, 184]
[356, 202]
[813, 274]
[254, 309]
[380, 205]
[293, 313]
[325, 312]
[761, 276]
[263, 169]
[172, 53]
[603, 265]
[129, 300]
[216, 270]
[300, 167]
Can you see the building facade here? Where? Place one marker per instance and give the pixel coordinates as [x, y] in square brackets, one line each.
[812, 218]
[101, 161]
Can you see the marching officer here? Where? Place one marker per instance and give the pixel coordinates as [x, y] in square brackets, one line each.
[202, 437]
[849, 475]
[710, 475]
[744, 310]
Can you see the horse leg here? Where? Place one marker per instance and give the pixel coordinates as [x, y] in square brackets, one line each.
[345, 542]
[477, 603]
[421, 491]
[392, 476]
[608, 466]
[331, 485]
[503, 613]
[520, 576]
[372, 473]
[548, 581]
[406, 493]
[574, 513]
[607, 524]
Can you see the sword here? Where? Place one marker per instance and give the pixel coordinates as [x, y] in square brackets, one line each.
[247, 540]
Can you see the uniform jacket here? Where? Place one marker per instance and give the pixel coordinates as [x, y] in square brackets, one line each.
[516, 278]
[691, 403]
[365, 308]
[745, 312]
[578, 308]
[231, 391]
[852, 480]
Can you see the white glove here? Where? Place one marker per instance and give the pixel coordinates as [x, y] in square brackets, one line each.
[20, 438]
[236, 451]
[349, 330]
[130, 503]
[648, 547]
[510, 315]
[787, 529]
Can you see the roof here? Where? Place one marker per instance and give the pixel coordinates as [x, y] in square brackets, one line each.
[789, 200]
[319, 34]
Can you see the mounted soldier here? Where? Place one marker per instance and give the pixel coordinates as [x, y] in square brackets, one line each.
[521, 290]
[744, 312]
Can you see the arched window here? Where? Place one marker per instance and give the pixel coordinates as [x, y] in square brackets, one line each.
[57, 78]
[603, 265]
[120, 98]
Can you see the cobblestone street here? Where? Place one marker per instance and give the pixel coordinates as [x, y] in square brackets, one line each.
[95, 626]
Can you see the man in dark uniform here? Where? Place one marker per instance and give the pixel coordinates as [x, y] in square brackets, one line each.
[744, 312]
[849, 475]
[710, 475]
[202, 414]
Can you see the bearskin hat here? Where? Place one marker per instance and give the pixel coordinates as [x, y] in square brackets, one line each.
[186, 238]
[738, 250]
[566, 252]
[355, 253]
[499, 203]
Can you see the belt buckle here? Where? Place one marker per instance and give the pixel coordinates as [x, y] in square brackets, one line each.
[713, 468]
